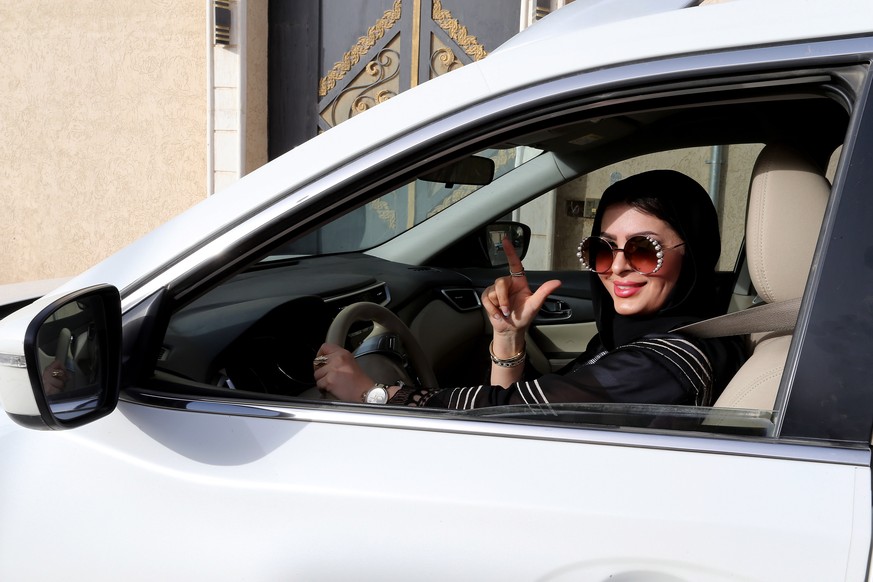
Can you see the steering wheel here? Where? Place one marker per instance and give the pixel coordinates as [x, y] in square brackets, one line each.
[380, 367]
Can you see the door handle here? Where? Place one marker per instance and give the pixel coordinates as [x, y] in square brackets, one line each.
[554, 310]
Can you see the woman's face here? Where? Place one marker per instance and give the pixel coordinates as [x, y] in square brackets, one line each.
[633, 293]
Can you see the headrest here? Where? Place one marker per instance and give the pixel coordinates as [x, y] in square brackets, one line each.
[787, 200]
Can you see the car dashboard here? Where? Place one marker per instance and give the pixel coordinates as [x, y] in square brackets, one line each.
[260, 330]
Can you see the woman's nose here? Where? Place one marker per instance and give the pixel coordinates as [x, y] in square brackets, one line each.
[620, 263]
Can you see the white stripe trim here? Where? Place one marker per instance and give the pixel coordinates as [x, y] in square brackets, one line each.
[521, 393]
[666, 347]
[691, 359]
[540, 390]
[471, 402]
[695, 385]
[452, 396]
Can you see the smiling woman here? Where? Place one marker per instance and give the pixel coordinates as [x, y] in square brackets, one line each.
[639, 276]
[663, 277]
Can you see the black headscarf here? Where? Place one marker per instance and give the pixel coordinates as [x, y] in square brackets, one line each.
[687, 208]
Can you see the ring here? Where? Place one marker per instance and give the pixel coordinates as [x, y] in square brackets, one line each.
[57, 373]
[319, 361]
[519, 274]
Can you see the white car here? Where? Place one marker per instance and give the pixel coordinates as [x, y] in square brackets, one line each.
[189, 442]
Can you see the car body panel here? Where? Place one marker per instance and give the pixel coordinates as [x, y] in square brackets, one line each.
[260, 498]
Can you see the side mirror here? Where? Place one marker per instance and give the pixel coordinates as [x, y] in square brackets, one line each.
[492, 240]
[73, 353]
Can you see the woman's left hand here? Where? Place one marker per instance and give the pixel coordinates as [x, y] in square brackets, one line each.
[337, 372]
[509, 302]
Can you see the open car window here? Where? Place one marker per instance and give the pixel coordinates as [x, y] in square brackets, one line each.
[253, 336]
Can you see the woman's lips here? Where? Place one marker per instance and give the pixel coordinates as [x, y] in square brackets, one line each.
[625, 289]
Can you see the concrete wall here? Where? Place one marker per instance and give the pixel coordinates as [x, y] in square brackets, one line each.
[103, 127]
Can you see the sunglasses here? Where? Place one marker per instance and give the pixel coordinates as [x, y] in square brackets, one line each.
[644, 254]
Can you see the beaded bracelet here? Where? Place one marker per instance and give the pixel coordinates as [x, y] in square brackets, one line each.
[511, 362]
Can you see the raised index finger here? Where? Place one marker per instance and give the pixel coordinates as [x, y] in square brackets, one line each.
[515, 265]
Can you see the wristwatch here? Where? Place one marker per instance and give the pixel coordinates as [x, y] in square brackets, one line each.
[378, 394]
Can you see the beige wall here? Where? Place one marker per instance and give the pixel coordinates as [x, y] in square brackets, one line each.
[103, 127]
[256, 84]
[694, 162]
[107, 109]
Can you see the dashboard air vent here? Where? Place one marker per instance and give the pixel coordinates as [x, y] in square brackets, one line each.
[462, 299]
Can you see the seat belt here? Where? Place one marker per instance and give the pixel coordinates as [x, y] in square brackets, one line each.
[772, 317]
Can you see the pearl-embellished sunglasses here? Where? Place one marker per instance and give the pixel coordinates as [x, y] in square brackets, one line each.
[644, 254]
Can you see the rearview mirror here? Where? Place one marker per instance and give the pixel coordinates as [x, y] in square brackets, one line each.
[474, 170]
[518, 234]
[73, 355]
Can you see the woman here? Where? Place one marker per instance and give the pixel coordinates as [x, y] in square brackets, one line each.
[653, 269]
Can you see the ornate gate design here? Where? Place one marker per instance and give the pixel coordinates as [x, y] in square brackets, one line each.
[414, 41]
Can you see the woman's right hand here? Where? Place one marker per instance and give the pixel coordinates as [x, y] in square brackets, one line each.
[512, 306]
[337, 372]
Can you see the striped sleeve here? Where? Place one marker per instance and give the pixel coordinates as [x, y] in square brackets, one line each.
[657, 369]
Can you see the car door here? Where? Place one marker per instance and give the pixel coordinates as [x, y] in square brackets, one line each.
[196, 481]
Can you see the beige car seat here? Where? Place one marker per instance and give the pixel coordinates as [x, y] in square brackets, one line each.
[787, 199]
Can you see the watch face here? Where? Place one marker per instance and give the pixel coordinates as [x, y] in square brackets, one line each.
[377, 395]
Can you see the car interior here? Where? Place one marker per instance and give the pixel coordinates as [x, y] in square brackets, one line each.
[422, 248]
[787, 201]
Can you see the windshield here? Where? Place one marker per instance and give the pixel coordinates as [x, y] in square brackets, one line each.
[400, 210]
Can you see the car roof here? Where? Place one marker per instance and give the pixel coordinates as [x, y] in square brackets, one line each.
[584, 14]
[565, 43]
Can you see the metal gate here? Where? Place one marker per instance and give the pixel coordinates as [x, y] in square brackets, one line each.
[332, 59]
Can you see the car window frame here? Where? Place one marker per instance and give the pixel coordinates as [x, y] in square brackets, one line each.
[812, 362]
[249, 240]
